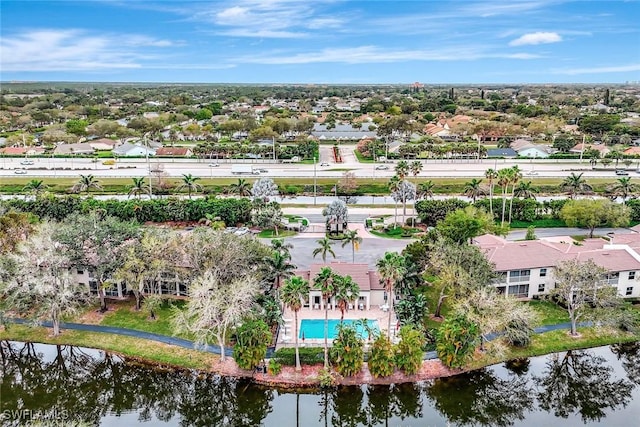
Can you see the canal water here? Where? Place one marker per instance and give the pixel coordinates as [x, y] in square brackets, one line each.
[63, 384]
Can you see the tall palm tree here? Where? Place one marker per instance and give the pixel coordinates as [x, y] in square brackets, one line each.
[35, 187]
[416, 168]
[624, 188]
[402, 169]
[391, 268]
[425, 189]
[346, 291]
[491, 175]
[574, 184]
[86, 183]
[504, 178]
[325, 284]
[277, 267]
[473, 189]
[516, 176]
[394, 185]
[324, 247]
[138, 187]
[293, 294]
[279, 245]
[241, 188]
[351, 237]
[189, 182]
[525, 190]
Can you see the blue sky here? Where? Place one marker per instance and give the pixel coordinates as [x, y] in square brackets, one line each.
[332, 41]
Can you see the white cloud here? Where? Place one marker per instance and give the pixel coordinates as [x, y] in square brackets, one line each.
[598, 70]
[536, 38]
[374, 54]
[62, 50]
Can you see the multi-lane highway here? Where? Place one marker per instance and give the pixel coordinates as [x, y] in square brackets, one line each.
[48, 167]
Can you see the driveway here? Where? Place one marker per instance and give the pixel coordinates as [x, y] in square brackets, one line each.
[371, 249]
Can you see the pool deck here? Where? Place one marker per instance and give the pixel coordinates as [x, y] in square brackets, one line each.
[286, 336]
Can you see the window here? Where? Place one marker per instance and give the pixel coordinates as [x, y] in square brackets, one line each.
[519, 275]
[501, 290]
[541, 287]
[612, 278]
[543, 272]
[80, 271]
[629, 291]
[519, 291]
[632, 275]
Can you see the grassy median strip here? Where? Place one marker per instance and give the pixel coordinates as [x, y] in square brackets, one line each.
[135, 347]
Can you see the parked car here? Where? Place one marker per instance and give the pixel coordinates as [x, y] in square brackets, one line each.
[382, 167]
[622, 172]
[26, 162]
[324, 164]
[20, 171]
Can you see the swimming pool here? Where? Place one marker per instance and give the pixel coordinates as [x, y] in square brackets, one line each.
[314, 328]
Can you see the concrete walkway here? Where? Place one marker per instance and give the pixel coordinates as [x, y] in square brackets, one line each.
[430, 355]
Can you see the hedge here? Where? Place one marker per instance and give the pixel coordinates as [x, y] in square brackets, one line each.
[230, 210]
[308, 356]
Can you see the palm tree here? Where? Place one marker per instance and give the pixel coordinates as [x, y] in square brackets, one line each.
[402, 169]
[138, 187]
[324, 283]
[277, 267]
[394, 185]
[425, 189]
[516, 176]
[574, 184]
[189, 182]
[293, 294]
[35, 187]
[352, 237]
[416, 168]
[525, 190]
[86, 183]
[504, 177]
[624, 188]
[279, 245]
[491, 175]
[473, 189]
[324, 247]
[242, 188]
[346, 291]
[391, 268]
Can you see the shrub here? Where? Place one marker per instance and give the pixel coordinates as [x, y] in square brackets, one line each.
[347, 352]
[252, 339]
[409, 350]
[456, 341]
[274, 367]
[326, 379]
[381, 358]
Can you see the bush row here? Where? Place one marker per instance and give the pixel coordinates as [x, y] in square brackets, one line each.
[230, 210]
[308, 356]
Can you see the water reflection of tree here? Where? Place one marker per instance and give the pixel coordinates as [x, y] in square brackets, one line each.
[481, 398]
[629, 354]
[89, 386]
[389, 402]
[580, 381]
[347, 407]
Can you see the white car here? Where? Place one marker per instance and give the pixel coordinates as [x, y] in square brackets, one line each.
[214, 165]
[382, 167]
[26, 162]
[20, 171]
[324, 164]
[532, 173]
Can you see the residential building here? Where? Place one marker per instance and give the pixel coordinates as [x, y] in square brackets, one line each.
[133, 150]
[174, 151]
[525, 268]
[526, 148]
[79, 148]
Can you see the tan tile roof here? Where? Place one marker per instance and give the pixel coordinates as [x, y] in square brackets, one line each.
[360, 273]
[611, 259]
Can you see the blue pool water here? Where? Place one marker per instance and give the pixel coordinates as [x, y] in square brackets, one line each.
[314, 328]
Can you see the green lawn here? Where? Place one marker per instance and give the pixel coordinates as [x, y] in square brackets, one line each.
[396, 233]
[125, 316]
[271, 234]
[548, 312]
